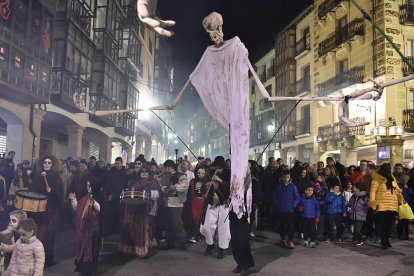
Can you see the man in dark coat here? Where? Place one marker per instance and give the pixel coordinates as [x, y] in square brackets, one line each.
[115, 182]
[267, 182]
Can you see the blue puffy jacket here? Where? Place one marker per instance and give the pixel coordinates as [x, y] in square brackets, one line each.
[310, 207]
[335, 203]
[286, 197]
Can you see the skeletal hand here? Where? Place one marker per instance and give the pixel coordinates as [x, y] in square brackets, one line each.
[146, 13]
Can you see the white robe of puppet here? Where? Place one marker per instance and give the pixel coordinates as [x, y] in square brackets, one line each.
[221, 80]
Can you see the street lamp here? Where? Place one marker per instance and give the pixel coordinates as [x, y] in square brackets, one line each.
[271, 128]
[176, 156]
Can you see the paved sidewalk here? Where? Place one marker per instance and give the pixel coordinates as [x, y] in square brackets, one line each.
[271, 259]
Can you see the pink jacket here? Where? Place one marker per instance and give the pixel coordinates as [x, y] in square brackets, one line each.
[27, 259]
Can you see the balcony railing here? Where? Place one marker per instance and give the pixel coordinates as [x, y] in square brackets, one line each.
[82, 12]
[338, 131]
[69, 91]
[408, 120]
[303, 45]
[407, 14]
[349, 77]
[327, 7]
[286, 133]
[355, 28]
[303, 126]
[303, 85]
[126, 124]
[101, 102]
[407, 69]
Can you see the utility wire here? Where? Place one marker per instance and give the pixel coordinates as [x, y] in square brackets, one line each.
[181, 140]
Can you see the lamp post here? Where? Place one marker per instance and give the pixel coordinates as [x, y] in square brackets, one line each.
[176, 156]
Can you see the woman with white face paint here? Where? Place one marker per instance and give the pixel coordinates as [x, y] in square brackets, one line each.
[48, 182]
[87, 238]
[138, 228]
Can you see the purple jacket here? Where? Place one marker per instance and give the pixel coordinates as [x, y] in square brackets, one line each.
[358, 205]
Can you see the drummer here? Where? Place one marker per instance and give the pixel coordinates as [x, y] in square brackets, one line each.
[48, 182]
[138, 235]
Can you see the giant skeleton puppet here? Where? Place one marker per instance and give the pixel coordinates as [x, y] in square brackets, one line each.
[221, 80]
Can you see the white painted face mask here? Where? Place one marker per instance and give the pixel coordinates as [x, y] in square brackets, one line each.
[14, 222]
[47, 164]
[144, 175]
[88, 187]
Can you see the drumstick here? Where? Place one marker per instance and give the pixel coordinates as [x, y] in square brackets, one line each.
[47, 184]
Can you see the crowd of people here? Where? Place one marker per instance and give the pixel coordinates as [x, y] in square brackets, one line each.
[176, 204]
[322, 202]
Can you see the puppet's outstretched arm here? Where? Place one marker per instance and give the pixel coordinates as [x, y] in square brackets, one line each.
[262, 89]
[146, 13]
[157, 107]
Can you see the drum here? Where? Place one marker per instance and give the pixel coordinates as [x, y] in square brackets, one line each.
[30, 201]
[131, 196]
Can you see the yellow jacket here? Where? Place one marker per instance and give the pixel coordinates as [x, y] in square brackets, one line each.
[380, 198]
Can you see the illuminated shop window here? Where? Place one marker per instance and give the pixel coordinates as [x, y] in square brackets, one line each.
[44, 76]
[18, 60]
[31, 70]
[4, 52]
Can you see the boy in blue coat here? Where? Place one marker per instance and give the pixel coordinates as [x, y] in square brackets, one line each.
[336, 210]
[309, 207]
[286, 199]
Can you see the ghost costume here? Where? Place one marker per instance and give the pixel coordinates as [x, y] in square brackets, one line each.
[221, 80]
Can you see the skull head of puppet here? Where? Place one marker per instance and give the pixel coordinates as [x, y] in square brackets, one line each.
[16, 218]
[213, 24]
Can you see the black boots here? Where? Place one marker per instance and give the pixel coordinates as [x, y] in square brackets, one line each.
[220, 253]
[208, 250]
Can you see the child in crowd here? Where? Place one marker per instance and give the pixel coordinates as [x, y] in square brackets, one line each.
[403, 226]
[321, 190]
[286, 198]
[347, 193]
[347, 196]
[336, 210]
[28, 254]
[309, 207]
[358, 208]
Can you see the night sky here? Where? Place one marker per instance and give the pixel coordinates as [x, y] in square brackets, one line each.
[255, 22]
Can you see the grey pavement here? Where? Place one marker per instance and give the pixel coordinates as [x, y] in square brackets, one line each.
[271, 259]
